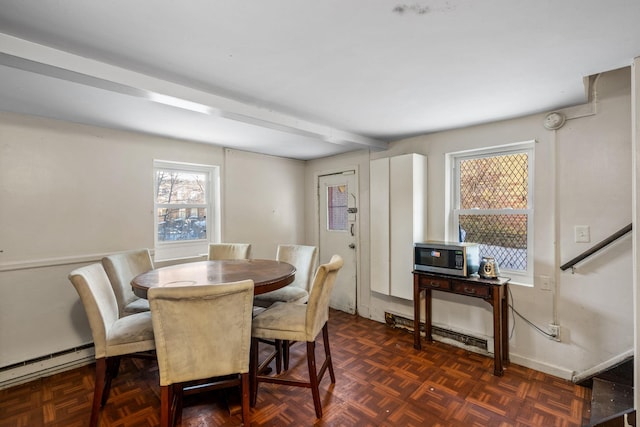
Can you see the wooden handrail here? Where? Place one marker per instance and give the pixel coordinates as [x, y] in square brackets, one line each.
[615, 236]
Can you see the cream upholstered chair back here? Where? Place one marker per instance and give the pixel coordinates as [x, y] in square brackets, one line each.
[304, 259]
[93, 287]
[123, 267]
[202, 331]
[112, 336]
[229, 251]
[318, 304]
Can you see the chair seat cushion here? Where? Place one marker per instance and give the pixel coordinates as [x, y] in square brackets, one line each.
[139, 305]
[131, 334]
[282, 321]
[287, 294]
[257, 310]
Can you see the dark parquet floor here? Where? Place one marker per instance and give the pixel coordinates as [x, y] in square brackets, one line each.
[381, 381]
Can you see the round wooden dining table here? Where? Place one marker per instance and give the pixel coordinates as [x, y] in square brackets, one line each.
[267, 275]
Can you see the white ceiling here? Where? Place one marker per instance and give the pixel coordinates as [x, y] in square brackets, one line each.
[306, 79]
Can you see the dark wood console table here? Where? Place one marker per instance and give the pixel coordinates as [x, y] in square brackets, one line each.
[494, 291]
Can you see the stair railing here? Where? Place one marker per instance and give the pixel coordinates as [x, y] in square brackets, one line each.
[606, 242]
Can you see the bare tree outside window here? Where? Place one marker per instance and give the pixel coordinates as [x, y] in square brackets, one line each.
[181, 202]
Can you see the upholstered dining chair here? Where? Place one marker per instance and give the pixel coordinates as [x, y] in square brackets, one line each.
[304, 259]
[113, 336]
[123, 267]
[229, 251]
[298, 322]
[202, 332]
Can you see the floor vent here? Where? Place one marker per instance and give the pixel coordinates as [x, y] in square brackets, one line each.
[396, 321]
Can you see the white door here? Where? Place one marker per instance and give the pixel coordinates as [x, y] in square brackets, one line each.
[337, 201]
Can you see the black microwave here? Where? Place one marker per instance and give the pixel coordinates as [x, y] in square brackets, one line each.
[457, 259]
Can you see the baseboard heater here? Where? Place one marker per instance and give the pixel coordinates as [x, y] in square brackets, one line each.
[397, 321]
[38, 367]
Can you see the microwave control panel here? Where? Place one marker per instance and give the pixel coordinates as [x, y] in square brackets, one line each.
[459, 259]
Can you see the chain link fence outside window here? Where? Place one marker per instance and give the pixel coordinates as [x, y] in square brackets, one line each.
[493, 193]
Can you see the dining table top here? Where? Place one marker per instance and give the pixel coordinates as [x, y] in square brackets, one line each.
[267, 275]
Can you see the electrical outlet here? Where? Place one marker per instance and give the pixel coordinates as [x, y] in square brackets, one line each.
[554, 331]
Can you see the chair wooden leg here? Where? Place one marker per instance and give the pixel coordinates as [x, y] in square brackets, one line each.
[285, 353]
[253, 371]
[279, 345]
[170, 404]
[327, 352]
[112, 368]
[313, 377]
[166, 398]
[101, 372]
[176, 409]
[244, 390]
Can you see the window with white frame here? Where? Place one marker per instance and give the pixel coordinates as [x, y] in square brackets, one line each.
[492, 204]
[186, 208]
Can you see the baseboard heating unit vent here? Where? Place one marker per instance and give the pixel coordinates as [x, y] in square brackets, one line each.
[49, 364]
[396, 321]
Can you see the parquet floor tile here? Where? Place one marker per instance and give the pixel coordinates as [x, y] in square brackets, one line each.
[382, 381]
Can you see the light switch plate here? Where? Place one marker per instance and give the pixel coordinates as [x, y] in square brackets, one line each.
[582, 234]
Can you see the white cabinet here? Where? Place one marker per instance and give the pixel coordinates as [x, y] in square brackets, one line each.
[398, 199]
[379, 232]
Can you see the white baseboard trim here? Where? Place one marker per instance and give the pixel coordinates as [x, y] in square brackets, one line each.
[28, 372]
[577, 377]
[556, 371]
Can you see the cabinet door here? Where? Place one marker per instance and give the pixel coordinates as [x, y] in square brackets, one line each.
[379, 225]
[408, 218]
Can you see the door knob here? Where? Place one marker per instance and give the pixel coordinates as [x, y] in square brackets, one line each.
[352, 245]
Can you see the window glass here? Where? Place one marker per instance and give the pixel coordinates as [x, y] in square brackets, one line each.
[494, 182]
[186, 208]
[181, 187]
[181, 200]
[337, 201]
[493, 205]
[502, 237]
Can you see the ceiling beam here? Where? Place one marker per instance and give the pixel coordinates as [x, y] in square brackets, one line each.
[35, 58]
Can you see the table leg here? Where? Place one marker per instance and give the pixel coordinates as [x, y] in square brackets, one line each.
[497, 332]
[505, 325]
[427, 315]
[416, 313]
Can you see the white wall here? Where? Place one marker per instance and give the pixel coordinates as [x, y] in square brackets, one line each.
[71, 194]
[263, 201]
[593, 187]
[595, 305]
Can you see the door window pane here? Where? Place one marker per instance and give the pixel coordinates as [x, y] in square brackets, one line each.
[337, 202]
